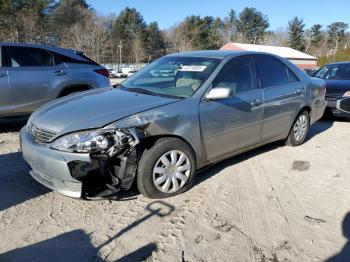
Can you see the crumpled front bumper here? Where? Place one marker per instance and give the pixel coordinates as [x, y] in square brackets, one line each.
[79, 175]
[49, 166]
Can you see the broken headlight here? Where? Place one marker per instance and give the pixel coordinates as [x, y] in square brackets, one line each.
[91, 141]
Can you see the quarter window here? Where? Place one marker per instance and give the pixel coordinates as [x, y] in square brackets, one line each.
[27, 56]
[237, 74]
[273, 72]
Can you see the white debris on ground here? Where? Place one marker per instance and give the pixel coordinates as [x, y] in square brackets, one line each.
[275, 203]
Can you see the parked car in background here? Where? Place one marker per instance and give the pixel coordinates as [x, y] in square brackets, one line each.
[32, 75]
[120, 74]
[161, 130]
[311, 72]
[128, 71]
[117, 74]
[163, 73]
[337, 78]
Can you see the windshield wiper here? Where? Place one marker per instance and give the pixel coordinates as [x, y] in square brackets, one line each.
[148, 92]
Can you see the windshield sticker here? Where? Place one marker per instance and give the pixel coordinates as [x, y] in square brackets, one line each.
[191, 68]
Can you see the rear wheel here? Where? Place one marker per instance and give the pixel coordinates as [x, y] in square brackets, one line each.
[299, 130]
[166, 169]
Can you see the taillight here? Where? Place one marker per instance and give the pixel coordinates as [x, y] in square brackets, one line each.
[103, 72]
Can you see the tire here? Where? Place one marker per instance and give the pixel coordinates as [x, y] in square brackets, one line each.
[296, 138]
[152, 169]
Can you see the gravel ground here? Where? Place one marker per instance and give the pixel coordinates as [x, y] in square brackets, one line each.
[275, 203]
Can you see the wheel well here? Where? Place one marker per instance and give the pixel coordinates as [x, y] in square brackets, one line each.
[71, 89]
[307, 108]
[148, 142]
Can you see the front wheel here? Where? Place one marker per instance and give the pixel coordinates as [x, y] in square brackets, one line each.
[166, 169]
[299, 130]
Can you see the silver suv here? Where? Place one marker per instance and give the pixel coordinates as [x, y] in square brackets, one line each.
[31, 75]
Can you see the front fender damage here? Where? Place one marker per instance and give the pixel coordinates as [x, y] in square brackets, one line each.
[109, 172]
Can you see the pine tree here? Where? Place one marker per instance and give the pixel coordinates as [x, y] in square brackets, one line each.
[252, 24]
[296, 34]
[316, 34]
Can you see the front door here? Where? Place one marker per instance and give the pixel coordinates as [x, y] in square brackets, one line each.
[33, 77]
[234, 123]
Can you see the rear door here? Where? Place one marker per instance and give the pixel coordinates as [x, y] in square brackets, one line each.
[34, 77]
[284, 95]
[5, 95]
[233, 123]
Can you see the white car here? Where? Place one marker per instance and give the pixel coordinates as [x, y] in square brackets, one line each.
[130, 73]
[117, 73]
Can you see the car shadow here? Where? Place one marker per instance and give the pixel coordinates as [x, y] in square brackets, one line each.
[319, 127]
[344, 254]
[76, 245]
[16, 185]
[204, 174]
[12, 125]
[216, 168]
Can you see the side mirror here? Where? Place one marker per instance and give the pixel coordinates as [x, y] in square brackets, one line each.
[219, 93]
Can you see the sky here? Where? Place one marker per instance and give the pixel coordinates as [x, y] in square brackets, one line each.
[168, 13]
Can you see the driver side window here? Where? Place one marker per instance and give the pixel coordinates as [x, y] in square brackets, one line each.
[238, 75]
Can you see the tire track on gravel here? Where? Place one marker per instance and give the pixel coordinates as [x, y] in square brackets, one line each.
[170, 236]
[287, 195]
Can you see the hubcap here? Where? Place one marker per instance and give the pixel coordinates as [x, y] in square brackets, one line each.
[300, 128]
[171, 171]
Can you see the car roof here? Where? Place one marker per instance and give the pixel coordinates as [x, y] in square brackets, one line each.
[220, 54]
[340, 63]
[49, 47]
[208, 53]
[63, 51]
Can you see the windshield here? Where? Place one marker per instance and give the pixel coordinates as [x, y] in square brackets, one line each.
[334, 72]
[177, 77]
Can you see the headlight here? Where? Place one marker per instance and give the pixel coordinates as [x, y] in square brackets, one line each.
[90, 141]
[347, 94]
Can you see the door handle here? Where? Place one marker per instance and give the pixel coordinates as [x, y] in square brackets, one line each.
[60, 72]
[298, 91]
[256, 102]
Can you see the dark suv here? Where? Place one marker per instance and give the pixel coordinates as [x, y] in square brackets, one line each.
[31, 75]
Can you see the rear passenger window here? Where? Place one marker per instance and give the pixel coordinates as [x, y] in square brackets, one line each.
[27, 56]
[291, 76]
[238, 75]
[273, 72]
[59, 58]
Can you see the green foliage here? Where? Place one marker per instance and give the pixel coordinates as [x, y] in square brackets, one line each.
[155, 41]
[337, 29]
[23, 20]
[296, 34]
[341, 55]
[202, 32]
[252, 24]
[66, 13]
[129, 29]
[316, 34]
[74, 24]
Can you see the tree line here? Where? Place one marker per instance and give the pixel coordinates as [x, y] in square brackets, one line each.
[127, 38]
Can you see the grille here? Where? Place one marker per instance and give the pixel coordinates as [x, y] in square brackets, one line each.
[345, 105]
[42, 135]
[331, 98]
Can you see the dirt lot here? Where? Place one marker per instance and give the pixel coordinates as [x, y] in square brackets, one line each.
[273, 204]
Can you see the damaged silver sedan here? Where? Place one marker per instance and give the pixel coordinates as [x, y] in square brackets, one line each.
[156, 130]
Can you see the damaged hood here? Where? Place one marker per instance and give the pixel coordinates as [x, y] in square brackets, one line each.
[93, 109]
